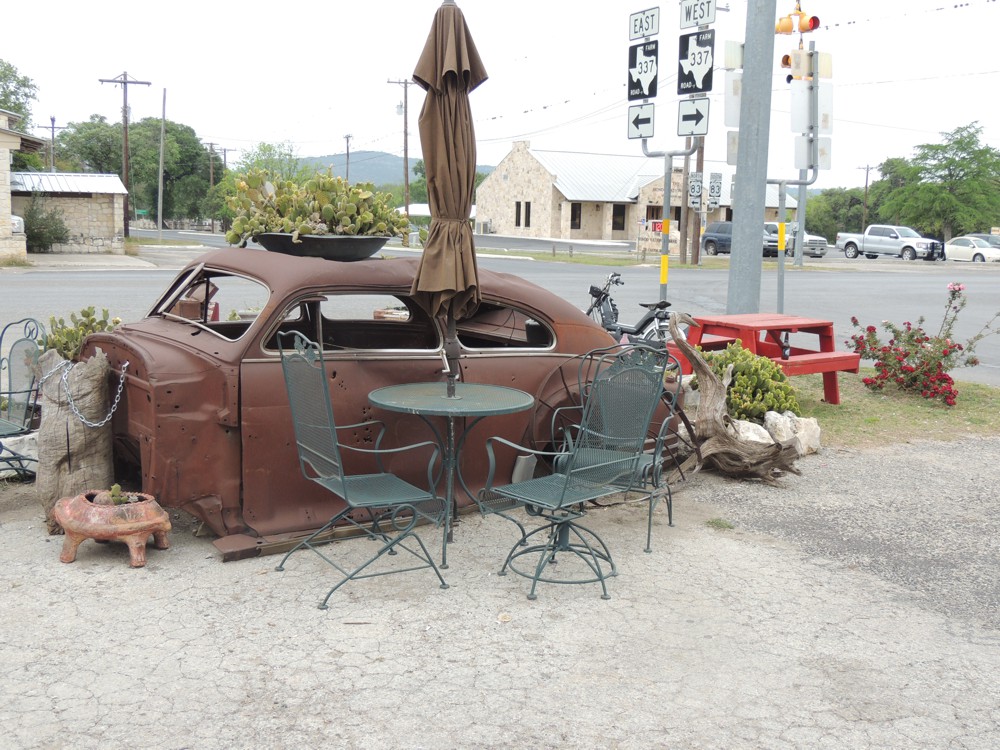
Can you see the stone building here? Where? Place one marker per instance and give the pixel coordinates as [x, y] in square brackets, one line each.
[583, 196]
[12, 246]
[92, 206]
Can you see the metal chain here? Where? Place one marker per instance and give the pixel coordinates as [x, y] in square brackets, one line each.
[65, 367]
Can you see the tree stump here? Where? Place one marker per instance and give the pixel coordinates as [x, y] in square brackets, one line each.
[715, 436]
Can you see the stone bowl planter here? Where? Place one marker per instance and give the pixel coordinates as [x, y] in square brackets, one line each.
[81, 518]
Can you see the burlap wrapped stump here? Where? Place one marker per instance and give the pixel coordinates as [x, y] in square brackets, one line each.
[72, 457]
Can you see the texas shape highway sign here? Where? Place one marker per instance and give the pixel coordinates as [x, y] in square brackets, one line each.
[692, 116]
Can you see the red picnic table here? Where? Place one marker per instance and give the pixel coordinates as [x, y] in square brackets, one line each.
[765, 334]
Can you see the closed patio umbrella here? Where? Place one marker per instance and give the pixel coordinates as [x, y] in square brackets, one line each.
[449, 67]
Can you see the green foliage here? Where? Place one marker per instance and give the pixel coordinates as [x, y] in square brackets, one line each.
[322, 205]
[758, 384]
[67, 338]
[948, 188]
[42, 228]
[16, 93]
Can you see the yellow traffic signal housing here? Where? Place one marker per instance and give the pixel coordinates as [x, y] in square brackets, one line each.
[784, 25]
[807, 23]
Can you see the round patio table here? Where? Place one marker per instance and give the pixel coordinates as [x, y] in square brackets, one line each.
[425, 400]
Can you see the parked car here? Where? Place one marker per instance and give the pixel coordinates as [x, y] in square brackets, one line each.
[717, 238]
[971, 248]
[885, 239]
[204, 422]
[16, 224]
[813, 245]
[993, 239]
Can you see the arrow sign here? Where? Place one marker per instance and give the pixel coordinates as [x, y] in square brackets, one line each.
[692, 116]
[640, 120]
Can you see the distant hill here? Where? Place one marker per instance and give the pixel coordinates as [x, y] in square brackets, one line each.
[377, 167]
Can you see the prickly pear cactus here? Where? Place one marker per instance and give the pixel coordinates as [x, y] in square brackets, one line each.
[322, 205]
[758, 384]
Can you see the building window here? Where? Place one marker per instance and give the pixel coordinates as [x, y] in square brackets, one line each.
[575, 215]
[517, 213]
[527, 213]
[654, 213]
[618, 217]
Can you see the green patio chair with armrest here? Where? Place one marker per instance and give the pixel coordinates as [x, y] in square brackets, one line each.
[648, 480]
[18, 389]
[600, 454]
[394, 506]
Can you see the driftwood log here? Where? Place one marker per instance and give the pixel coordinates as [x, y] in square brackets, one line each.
[715, 438]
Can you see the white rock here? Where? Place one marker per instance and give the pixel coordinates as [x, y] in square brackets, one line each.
[751, 432]
[789, 429]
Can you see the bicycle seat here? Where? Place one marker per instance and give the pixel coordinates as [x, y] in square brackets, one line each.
[661, 305]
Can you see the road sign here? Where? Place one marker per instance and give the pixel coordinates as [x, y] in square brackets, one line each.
[692, 116]
[641, 120]
[694, 190]
[695, 62]
[714, 190]
[642, 69]
[644, 23]
[697, 13]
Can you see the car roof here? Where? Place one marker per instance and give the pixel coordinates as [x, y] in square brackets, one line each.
[288, 274]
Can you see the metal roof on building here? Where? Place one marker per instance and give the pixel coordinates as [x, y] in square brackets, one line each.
[599, 177]
[611, 178]
[66, 182]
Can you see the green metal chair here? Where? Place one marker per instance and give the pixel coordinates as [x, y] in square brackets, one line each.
[648, 481]
[393, 506]
[601, 455]
[18, 390]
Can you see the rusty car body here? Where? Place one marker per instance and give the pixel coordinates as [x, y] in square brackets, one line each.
[204, 424]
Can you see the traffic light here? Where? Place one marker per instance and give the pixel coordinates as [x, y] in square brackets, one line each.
[798, 62]
[796, 21]
[808, 23]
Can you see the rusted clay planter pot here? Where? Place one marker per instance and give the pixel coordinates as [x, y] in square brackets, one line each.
[131, 523]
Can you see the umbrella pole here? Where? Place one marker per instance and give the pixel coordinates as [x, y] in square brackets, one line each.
[451, 351]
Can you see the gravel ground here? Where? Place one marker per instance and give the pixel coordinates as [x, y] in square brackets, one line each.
[923, 515]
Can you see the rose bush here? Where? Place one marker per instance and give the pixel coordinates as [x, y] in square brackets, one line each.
[913, 360]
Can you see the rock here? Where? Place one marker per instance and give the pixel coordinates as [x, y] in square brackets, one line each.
[789, 429]
[751, 431]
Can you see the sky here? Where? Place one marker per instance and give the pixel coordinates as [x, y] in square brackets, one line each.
[311, 73]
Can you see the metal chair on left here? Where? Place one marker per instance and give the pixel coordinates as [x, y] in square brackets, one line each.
[18, 390]
[393, 507]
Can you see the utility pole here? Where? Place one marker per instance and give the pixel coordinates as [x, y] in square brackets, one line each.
[347, 169]
[403, 110]
[211, 174]
[864, 208]
[124, 81]
[225, 151]
[52, 143]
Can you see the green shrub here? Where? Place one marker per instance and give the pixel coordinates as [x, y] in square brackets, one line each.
[758, 385]
[42, 228]
[67, 338]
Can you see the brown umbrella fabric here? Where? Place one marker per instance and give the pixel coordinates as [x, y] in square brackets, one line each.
[448, 69]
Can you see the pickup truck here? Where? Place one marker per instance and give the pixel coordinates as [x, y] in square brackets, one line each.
[812, 244]
[884, 239]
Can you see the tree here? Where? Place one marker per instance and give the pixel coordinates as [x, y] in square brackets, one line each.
[954, 186]
[279, 159]
[16, 93]
[92, 146]
[836, 210]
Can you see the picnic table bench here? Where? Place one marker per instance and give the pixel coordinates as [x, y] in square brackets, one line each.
[769, 335]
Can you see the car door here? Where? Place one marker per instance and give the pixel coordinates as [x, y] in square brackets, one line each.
[959, 248]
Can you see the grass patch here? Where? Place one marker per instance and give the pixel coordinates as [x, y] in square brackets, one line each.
[12, 262]
[719, 524]
[867, 418]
